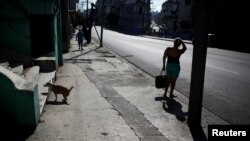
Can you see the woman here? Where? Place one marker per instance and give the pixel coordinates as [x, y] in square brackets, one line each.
[173, 65]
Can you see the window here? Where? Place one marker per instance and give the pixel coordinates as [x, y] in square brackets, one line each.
[45, 46]
[165, 7]
[135, 9]
[140, 10]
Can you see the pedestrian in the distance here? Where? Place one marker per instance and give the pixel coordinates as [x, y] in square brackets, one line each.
[80, 38]
[172, 67]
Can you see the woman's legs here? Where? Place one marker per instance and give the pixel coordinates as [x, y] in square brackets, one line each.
[173, 71]
[172, 82]
[166, 88]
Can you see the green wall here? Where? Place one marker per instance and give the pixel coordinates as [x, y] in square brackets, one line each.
[27, 107]
[7, 98]
[14, 22]
[14, 27]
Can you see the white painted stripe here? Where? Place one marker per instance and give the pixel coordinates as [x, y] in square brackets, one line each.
[223, 69]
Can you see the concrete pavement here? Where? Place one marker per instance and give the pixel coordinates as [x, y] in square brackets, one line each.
[113, 100]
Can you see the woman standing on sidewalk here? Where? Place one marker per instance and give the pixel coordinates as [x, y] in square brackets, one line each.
[173, 65]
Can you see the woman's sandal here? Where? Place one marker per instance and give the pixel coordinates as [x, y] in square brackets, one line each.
[172, 96]
[165, 95]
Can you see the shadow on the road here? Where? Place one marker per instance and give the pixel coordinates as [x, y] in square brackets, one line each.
[63, 102]
[197, 133]
[108, 56]
[126, 56]
[173, 107]
[77, 50]
[89, 61]
[73, 61]
[81, 54]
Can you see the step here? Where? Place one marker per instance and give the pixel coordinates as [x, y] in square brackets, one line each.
[46, 64]
[18, 70]
[44, 78]
[23, 100]
[5, 65]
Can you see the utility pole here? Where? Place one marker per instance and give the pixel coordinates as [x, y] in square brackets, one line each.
[82, 6]
[87, 8]
[143, 17]
[199, 62]
[88, 38]
[102, 23]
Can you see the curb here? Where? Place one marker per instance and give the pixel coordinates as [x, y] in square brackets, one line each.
[166, 39]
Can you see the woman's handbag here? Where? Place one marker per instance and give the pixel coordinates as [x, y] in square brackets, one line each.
[160, 81]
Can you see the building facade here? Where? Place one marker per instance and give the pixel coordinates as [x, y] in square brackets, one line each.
[72, 4]
[176, 17]
[131, 16]
[109, 6]
[135, 17]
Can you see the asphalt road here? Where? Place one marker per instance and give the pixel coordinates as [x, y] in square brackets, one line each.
[227, 78]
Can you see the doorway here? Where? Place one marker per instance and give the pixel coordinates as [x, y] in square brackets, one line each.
[41, 34]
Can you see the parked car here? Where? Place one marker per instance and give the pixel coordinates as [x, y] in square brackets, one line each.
[211, 40]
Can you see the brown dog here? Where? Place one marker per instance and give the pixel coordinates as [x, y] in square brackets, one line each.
[58, 89]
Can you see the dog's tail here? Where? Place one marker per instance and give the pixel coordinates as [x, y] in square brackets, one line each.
[71, 88]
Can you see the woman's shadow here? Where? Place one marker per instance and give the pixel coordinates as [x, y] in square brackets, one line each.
[173, 107]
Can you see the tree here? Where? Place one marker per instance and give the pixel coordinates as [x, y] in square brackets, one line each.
[78, 19]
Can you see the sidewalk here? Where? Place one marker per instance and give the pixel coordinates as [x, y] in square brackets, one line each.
[112, 100]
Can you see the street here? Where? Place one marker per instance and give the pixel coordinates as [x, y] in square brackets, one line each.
[226, 86]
